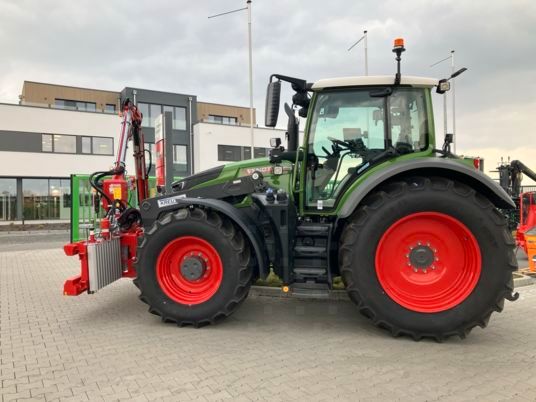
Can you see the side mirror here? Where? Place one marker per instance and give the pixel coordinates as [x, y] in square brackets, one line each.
[273, 95]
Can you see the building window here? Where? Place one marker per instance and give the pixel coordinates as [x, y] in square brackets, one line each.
[180, 159]
[86, 145]
[65, 144]
[179, 116]
[237, 153]
[76, 105]
[222, 119]
[154, 112]
[109, 108]
[259, 152]
[8, 199]
[144, 110]
[46, 199]
[229, 153]
[103, 146]
[149, 146]
[46, 142]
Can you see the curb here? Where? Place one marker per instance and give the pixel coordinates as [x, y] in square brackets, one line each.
[12, 233]
[341, 295]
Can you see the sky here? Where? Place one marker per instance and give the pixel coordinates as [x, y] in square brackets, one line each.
[173, 46]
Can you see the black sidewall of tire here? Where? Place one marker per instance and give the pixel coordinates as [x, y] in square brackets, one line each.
[491, 284]
[231, 286]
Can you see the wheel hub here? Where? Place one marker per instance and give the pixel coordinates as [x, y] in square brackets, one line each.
[193, 268]
[421, 257]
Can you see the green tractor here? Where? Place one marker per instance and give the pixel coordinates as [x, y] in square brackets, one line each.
[414, 232]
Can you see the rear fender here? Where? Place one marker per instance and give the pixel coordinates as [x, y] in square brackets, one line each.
[427, 167]
[152, 208]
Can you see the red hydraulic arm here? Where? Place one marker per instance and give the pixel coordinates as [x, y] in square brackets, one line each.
[131, 130]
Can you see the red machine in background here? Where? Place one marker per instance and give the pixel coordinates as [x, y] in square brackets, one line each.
[106, 257]
[527, 218]
[524, 219]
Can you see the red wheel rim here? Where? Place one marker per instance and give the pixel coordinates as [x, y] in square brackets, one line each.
[174, 280]
[428, 262]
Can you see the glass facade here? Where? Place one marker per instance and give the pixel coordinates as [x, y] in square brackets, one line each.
[8, 199]
[179, 116]
[152, 111]
[45, 199]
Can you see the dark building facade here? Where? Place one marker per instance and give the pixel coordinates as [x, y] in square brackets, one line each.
[184, 111]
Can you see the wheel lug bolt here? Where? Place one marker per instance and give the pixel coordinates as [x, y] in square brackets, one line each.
[433, 267]
[415, 270]
[419, 243]
[424, 270]
[407, 255]
[409, 264]
[428, 244]
[437, 259]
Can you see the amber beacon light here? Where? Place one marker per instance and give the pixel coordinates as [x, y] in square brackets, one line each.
[398, 43]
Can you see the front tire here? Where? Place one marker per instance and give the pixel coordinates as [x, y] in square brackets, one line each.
[194, 267]
[427, 258]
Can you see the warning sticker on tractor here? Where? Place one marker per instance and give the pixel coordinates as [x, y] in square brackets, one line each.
[117, 193]
[166, 202]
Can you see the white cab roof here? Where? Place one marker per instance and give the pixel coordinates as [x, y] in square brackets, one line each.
[374, 80]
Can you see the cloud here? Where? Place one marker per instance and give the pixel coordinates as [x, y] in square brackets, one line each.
[173, 46]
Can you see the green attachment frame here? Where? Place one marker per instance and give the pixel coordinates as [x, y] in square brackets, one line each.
[83, 215]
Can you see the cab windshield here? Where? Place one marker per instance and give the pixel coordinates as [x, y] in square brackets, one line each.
[349, 128]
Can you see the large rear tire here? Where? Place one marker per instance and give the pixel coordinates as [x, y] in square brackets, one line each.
[427, 258]
[194, 267]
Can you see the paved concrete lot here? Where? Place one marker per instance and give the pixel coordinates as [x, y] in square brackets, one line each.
[107, 347]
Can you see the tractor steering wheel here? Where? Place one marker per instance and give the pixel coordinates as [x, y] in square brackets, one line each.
[340, 143]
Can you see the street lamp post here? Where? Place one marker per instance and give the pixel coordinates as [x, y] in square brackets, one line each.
[365, 39]
[250, 49]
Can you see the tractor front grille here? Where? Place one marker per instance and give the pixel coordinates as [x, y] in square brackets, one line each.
[104, 263]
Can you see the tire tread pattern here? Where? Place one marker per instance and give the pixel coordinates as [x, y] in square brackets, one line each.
[239, 244]
[395, 189]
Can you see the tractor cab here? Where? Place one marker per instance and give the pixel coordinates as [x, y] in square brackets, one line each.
[354, 124]
[358, 122]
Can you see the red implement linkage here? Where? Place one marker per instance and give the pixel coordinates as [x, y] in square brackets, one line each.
[114, 201]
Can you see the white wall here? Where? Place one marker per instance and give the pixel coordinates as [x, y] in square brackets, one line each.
[207, 136]
[54, 121]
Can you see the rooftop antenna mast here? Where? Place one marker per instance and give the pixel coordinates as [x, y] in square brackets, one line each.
[250, 51]
[363, 38]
